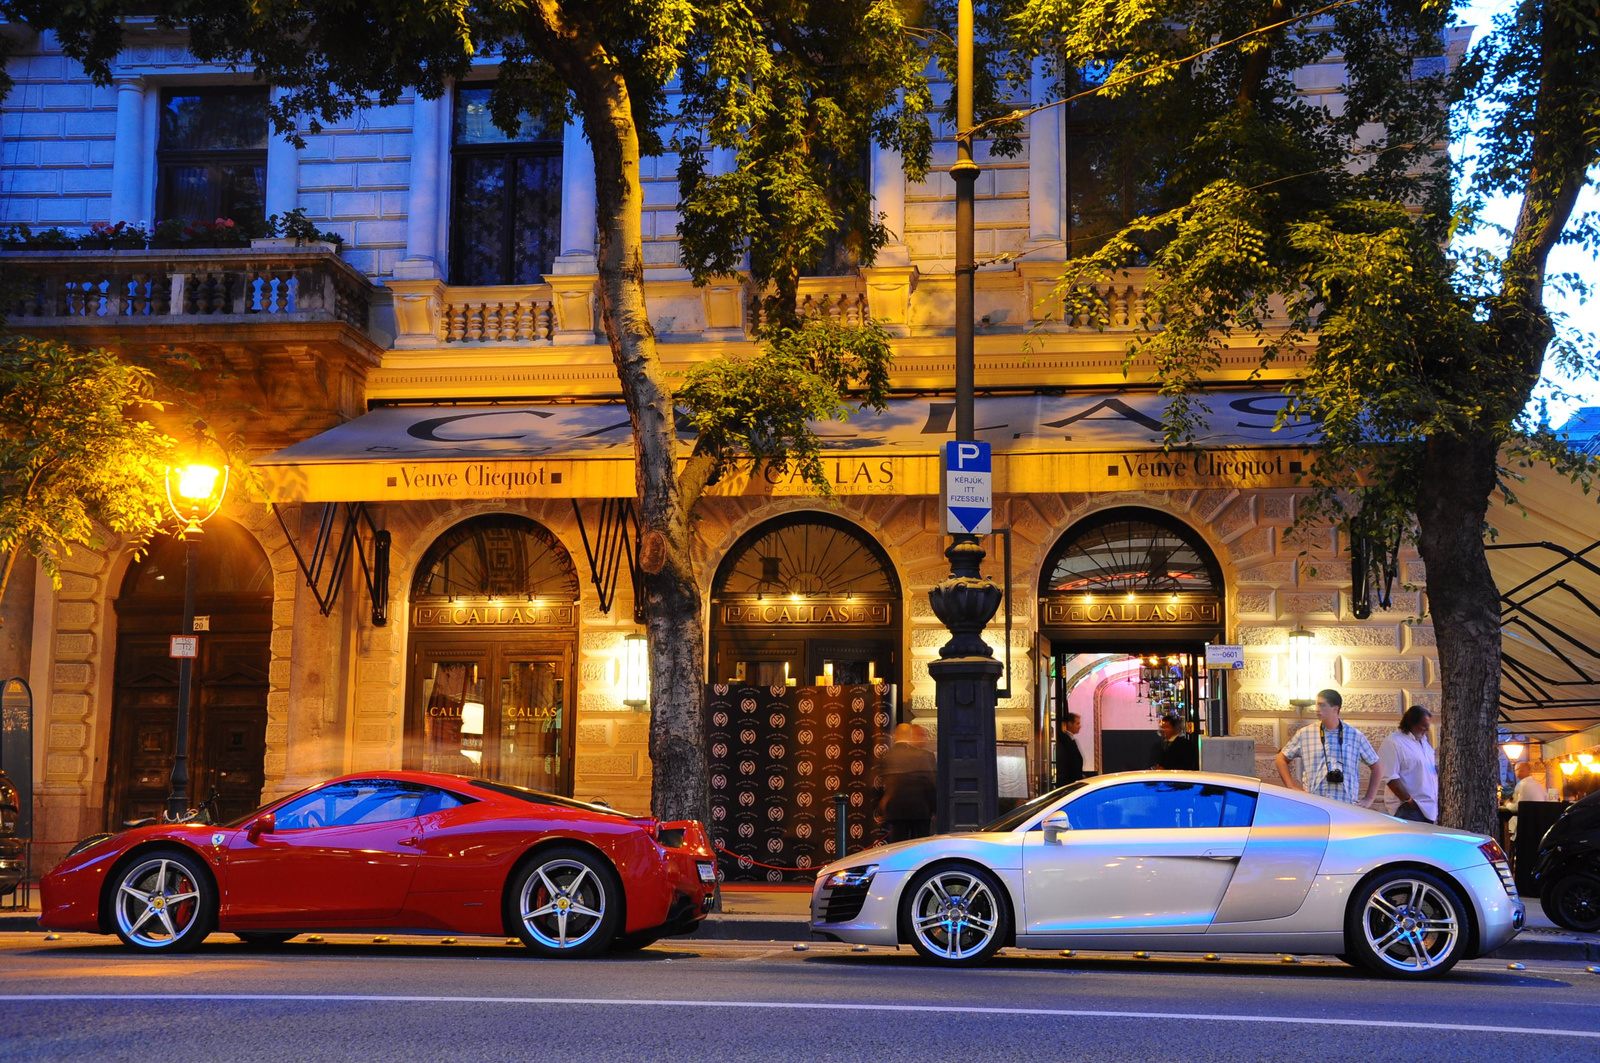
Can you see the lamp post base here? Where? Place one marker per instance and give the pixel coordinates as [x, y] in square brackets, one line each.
[965, 693]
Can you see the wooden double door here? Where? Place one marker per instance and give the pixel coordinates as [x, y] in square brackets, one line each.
[227, 709]
[493, 709]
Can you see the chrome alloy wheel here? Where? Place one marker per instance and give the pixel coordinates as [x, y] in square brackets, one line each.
[157, 902]
[954, 915]
[562, 904]
[1411, 925]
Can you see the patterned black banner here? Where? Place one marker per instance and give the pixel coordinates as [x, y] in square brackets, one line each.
[778, 757]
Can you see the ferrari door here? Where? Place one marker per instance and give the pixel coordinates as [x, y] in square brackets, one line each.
[342, 855]
[1140, 858]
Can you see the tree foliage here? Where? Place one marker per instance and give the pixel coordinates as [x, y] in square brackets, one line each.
[78, 453]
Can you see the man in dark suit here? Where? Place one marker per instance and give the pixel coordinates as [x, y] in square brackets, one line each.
[1069, 757]
[1177, 750]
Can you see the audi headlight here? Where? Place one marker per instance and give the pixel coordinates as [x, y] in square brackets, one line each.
[850, 876]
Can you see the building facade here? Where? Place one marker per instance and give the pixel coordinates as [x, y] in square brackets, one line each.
[440, 379]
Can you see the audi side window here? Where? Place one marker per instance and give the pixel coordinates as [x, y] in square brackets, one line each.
[1240, 810]
[1149, 806]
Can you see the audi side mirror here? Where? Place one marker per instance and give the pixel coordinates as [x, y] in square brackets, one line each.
[1055, 824]
[263, 825]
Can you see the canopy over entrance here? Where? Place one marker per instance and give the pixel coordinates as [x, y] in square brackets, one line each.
[1095, 441]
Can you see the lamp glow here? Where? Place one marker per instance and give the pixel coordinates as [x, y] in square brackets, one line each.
[1569, 767]
[1586, 759]
[472, 718]
[1302, 680]
[197, 482]
[1513, 749]
[635, 671]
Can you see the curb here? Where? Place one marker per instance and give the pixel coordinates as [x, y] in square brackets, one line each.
[10, 924]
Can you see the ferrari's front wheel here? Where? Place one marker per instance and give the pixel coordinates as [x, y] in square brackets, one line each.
[955, 914]
[565, 902]
[163, 902]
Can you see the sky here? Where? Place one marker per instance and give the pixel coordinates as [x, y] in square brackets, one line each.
[1586, 392]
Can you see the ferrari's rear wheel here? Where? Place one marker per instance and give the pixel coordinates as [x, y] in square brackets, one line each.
[565, 902]
[261, 939]
[955, 915]
[163, 902]
[1407, 924]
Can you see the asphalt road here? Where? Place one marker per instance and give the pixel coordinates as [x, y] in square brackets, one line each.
[349, 998]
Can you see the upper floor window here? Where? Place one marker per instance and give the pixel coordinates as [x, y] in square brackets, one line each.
[505, 199]
[1107, 183]
[211, 158]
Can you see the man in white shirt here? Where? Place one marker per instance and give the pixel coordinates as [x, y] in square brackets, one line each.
[1409, 769]
[1530, 787]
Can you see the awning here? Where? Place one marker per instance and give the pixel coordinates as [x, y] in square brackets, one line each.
[1086, 441]
[1546, 561]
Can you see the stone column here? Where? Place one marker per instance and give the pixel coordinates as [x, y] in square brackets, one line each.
[315, 742]
[1046, 176]
[889, 199]
[573, 275]
[427, 192]
[283, 174]
[127, 155]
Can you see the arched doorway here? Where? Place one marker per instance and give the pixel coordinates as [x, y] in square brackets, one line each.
[1128, 599]
[494, 631]
[805, 599]
[228, 691]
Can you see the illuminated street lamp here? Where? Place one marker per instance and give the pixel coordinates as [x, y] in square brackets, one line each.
[1513, 748]
[194, 492]
[635, 671]
[1302, 677]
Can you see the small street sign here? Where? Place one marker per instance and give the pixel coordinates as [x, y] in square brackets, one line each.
[968, 489]
[201, 623]
[185, 646]
[1224, 656]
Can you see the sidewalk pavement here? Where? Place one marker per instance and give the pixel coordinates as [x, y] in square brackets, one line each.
[784, 916]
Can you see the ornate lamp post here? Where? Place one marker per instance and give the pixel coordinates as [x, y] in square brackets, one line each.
[194, 494]
[966, 672]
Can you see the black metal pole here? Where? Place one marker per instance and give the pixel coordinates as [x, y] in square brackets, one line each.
[965, 674]
[178, 799]
[840, 815]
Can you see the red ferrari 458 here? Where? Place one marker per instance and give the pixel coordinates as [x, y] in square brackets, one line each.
[408, 851]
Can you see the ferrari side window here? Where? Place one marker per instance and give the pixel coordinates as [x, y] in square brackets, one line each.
[434, 800]
[319, 808]
[381, 801]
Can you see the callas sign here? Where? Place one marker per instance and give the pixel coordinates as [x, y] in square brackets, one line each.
[968, 489]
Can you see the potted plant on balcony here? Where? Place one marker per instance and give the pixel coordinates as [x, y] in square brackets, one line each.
[176, 232]
[22, 238]
[114, 236]
[294, 230]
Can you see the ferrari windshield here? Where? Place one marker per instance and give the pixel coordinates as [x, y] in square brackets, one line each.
[1028, 809]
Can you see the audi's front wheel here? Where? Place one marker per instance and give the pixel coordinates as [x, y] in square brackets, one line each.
[955, 914]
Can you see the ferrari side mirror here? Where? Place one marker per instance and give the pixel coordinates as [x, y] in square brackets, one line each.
[1054, 825]
[263, 825]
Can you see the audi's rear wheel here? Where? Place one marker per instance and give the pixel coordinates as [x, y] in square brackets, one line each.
[955, 915]
[163, 902]
[565, 902]
[1407, 923]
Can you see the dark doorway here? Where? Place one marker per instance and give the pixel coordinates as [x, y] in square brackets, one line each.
[228, 692]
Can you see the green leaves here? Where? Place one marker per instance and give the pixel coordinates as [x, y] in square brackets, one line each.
[762, 409]
[76, 452]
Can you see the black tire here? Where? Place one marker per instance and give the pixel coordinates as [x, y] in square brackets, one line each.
[593, 896]
[263, 939]
[162, 901]
[967, 927]
[1406, 923]
[1573, 901]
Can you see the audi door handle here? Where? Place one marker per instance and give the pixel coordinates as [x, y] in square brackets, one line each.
[1223, 854]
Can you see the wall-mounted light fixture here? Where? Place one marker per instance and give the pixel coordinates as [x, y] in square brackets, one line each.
[1569, 767]
[635, 671]
[1302, 676]
[1513, 748]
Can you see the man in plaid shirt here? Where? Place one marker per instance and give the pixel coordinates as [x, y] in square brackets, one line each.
[1330, 753]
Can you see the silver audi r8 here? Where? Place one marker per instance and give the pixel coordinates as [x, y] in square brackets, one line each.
[1181, 862]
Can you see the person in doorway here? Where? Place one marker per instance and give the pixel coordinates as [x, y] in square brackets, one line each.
[1330, 753]
[1530, 787]
[1069, 755]
[1409, 769]
[1176, 751]
[907, 779]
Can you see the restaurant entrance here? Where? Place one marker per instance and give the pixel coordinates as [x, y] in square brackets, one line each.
[493, 641]
[1128, 601]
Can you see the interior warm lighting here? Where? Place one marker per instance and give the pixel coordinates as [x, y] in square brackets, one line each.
[1568, 767]
[1586, 759]
[1302, 678]
[635, 671]
[1594, 767]
[472, 718]
[1513, 749]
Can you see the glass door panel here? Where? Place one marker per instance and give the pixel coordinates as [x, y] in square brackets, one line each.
[453, 710]
[534, 716]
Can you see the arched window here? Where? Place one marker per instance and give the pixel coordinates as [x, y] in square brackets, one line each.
[1131, 551]
[498, 555]
[816, 556]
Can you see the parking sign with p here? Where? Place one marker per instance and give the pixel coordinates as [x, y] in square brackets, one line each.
[968, 488]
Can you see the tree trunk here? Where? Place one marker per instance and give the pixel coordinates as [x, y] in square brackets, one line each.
[680, 784]
[1457, 479]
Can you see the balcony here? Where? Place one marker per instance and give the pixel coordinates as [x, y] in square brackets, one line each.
[289, 328]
